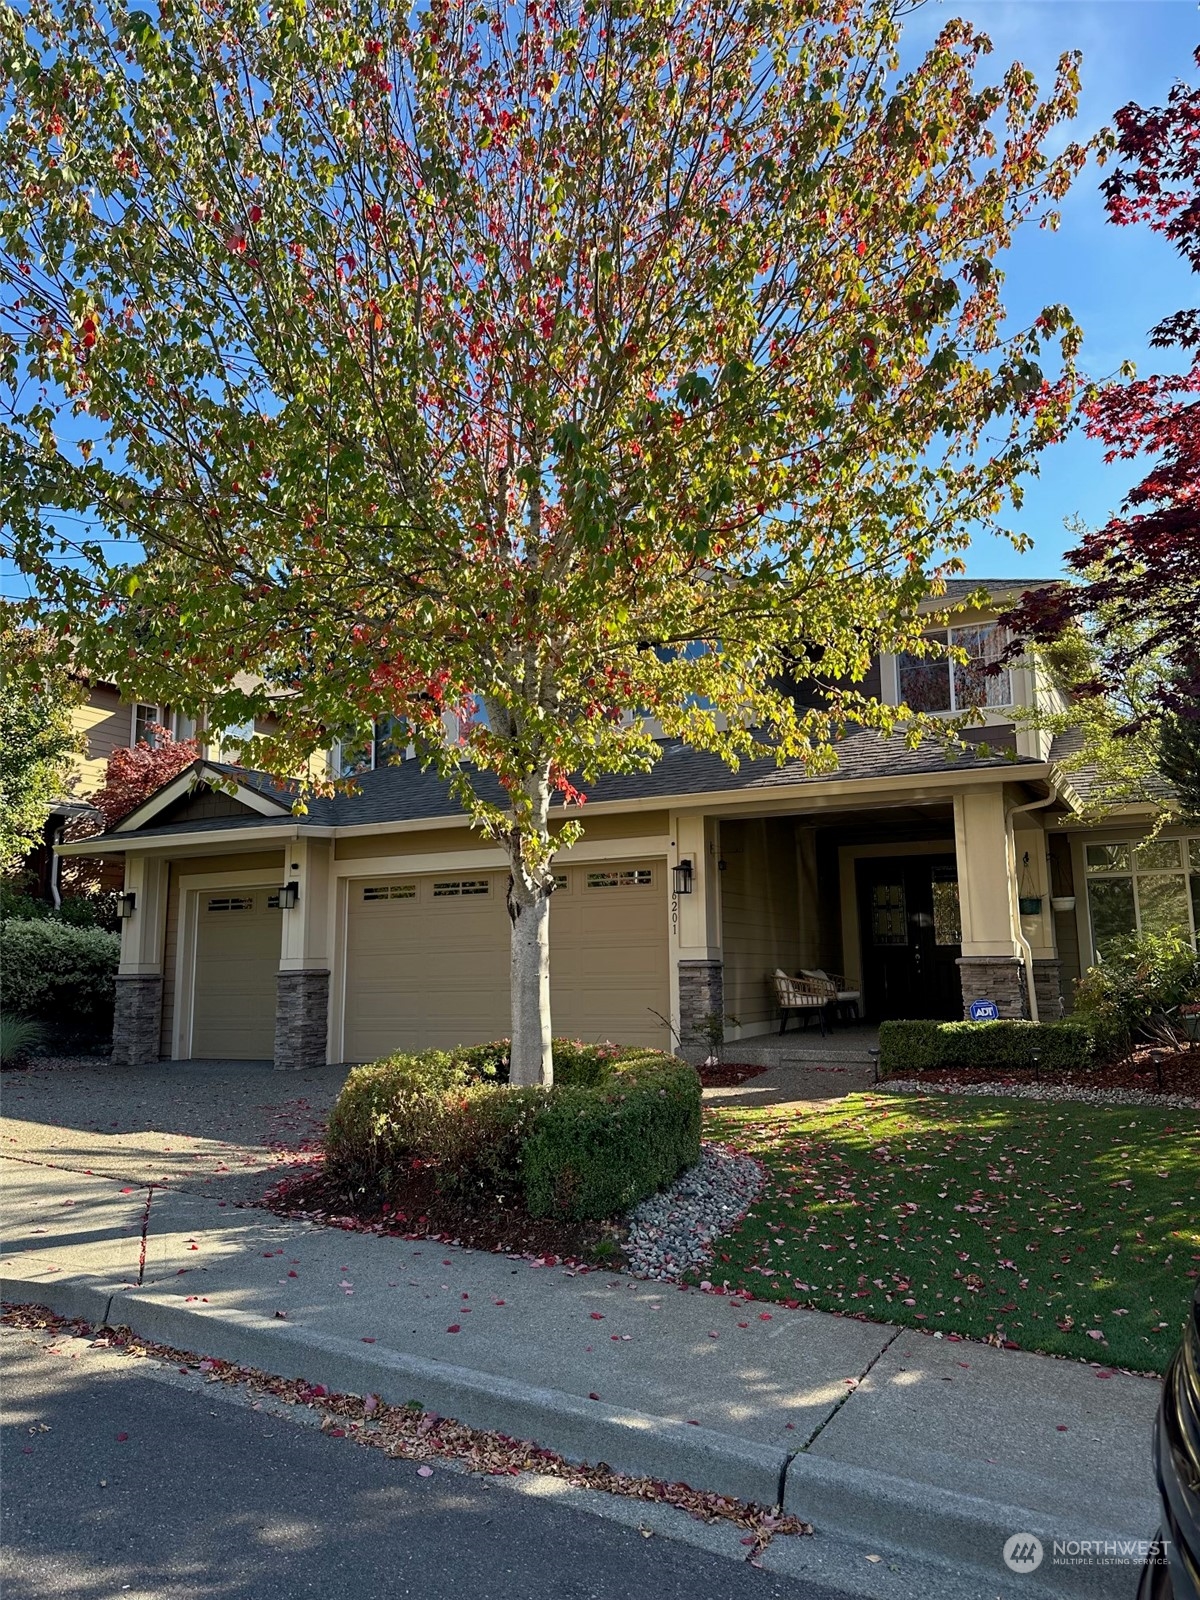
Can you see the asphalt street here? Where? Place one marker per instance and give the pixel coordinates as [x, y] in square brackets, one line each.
[122, 1479]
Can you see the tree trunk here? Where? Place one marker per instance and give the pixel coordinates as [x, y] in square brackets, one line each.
[530, 885]
[530, 975]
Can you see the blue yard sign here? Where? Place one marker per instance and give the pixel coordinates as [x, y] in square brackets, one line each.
[984, 1011]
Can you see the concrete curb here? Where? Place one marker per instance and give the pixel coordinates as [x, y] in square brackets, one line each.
[962, 1530]
[581, 1430]
[917, 1520]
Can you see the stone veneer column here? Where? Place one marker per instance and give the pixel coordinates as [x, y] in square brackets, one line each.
[701, 992]
[301, 1019]
[1047, 982]
[998, 978]
[137, 1019]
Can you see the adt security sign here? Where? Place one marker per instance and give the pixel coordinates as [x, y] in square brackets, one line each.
[984, 1011]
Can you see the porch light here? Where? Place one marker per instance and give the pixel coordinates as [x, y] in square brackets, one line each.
[682, 875]
[126, 904]
[288, 895]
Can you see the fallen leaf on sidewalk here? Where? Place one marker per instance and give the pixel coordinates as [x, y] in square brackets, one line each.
[874, 1558]
[424, 1472]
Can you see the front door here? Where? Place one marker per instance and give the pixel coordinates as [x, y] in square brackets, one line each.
[911, 937]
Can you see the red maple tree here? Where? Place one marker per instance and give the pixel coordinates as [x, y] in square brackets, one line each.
[1141, 570]
[132, 775]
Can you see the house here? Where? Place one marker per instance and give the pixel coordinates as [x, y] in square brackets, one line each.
[376, 921]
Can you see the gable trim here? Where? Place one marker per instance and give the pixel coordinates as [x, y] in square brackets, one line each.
[185, 782]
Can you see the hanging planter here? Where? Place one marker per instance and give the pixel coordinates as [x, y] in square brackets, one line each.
[1028, 903]
[1063, 902]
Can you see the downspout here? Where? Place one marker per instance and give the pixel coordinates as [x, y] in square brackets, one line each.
[1014, 910]
[56, 838]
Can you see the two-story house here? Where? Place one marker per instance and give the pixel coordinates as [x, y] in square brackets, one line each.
[376, 921]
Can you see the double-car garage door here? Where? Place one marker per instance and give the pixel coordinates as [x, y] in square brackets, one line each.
[427, 959]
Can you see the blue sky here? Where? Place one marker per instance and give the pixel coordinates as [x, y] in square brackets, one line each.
[1117, 281]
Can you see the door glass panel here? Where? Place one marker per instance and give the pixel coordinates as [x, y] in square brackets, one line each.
[1111, 902]
[947, 919]
[1162, 901]
[889, 922]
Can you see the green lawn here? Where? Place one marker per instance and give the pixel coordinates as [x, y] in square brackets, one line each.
[1064, 1227]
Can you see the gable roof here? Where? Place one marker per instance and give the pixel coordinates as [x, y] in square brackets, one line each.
[259, 793]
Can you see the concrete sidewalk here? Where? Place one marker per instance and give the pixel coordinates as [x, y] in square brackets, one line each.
[919, 1444]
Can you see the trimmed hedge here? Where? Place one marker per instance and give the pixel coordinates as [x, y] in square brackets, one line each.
[616, 1126]
[62, 976]
[923, 1046]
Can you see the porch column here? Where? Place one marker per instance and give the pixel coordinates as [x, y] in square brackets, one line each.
[991, 965]
[696, 930]
[1032, 858]
[302, 992]
[137, 1013]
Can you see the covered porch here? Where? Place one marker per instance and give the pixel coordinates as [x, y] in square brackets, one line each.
[922, 906]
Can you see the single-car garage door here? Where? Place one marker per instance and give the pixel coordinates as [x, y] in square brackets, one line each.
[427, 959]
[238, 936]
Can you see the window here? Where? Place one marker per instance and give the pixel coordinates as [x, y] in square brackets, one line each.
[233, 902]
[231, 740]
[450, 887]
[629, 878]
[389, 891]
[1147, 887]
[932, 683]
[947, 914]
[145, 719]
[889, 920]
[364, 749]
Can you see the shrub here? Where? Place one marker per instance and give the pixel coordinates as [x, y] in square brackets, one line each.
[1005, 1045]
[597, 1151]
[1139, 979]
[62, 976]
[616, 1125]
[79, 910]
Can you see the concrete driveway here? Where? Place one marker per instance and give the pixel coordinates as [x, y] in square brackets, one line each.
[222, 1128]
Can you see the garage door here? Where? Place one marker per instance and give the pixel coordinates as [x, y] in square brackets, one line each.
[427, 959]
[238, 938]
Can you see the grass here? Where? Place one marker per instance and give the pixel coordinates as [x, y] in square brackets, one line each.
[1062, 1227]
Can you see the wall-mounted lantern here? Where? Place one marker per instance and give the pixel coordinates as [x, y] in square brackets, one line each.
[126, 904]
[682, 875]
[288, 896]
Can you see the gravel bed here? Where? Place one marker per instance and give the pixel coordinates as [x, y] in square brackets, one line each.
[1046, 1091]
[672, 1232]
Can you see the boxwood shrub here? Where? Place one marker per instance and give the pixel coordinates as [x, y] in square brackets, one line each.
[922, 1046]
[616, 1125]
[61, 976]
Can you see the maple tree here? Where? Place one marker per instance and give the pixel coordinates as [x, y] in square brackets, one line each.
[1140, 591]
[136, 772]
[574, 369]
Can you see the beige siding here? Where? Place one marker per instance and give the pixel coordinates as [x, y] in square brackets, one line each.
[257, 861]
[433, 841]
[106, 722]
[759, 912]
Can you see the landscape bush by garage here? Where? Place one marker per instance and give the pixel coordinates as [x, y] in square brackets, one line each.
[61, 976]
[1005, 1045]
[617, 1125]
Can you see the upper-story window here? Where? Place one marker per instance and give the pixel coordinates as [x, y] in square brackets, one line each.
[931, 683]
[148, 718]
[380, 745]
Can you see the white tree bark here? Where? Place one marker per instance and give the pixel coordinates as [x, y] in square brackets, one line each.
[531, 883]
[530, 977]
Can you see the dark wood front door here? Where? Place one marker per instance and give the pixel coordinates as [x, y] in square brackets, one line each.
[911, 937]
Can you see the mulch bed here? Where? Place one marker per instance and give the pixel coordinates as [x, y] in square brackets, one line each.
[728, 1074]
[418, 1210]
[1148, 1069]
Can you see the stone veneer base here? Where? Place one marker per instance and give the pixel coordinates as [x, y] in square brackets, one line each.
[137, 1018]
[301, 1019]
[1047, 984]
[998, 978]
[701, 993]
